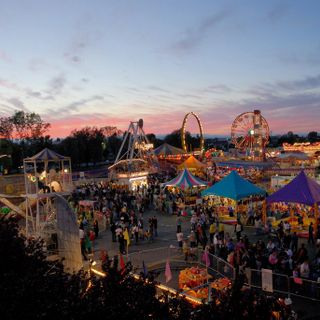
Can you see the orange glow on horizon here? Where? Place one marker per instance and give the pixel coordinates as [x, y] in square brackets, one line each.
[166, 123]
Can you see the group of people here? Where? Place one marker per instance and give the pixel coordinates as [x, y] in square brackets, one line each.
[281, 253]
[119, 209]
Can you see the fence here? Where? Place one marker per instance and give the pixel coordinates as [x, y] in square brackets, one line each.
[283, 284]
[155, 259]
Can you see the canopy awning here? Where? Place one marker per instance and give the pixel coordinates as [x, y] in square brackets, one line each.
[47, 155]
[234, 187]
[185, 180]
[167, 150]
[301, 189]
[191, 163]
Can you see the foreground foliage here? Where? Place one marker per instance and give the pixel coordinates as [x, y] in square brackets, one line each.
[33, 287]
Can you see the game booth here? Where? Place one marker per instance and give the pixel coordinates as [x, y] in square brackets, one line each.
[232, 195]
[298, 203]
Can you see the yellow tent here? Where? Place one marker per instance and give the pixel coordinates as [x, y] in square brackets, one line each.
[192, 164]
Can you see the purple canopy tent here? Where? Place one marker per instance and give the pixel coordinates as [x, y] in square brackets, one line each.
[301, 189]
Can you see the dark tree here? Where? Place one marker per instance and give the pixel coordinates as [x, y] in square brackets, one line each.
[27, 125]
[313, 136]
[31, 286]
[153, 139]
[174, 139]
[84, 145]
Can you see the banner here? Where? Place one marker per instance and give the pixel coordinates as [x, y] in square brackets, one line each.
[266, 278]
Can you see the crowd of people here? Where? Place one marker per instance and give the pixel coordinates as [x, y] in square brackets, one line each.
[118, 209]
[281, 252]
[122, 211]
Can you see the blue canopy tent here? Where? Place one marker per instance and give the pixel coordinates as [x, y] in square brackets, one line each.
[234, 187]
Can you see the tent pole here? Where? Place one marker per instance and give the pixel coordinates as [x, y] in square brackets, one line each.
[264, 211]
[316, 216]
[291, 213]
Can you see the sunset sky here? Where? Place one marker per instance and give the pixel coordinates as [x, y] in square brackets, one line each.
[101, 62]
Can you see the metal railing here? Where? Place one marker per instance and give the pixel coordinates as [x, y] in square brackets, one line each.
[284, 284]
[155, 259]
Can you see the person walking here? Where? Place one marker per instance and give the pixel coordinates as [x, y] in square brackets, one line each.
[96, 228]
[155, 225]
[311, 237]
[121, 243]
[180, 239]
[238, 229]
[135, 231]
[212, 231]
[221, 230]
[179, 223]
[82, 243]
[113, 232]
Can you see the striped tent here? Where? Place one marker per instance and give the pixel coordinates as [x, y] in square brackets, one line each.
[185, 180]
[167, 150]
[47, 155]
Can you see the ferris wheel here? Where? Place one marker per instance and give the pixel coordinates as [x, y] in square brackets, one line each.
[250, 133]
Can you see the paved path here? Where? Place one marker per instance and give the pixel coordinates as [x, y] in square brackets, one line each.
[167, 236]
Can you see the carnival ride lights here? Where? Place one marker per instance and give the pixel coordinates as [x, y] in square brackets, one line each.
[250, 133]
[138, 145]
[135, 158]
[183, 132]
[306, 147]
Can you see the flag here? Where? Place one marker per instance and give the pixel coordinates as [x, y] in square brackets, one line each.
[122, 264]
[205, 258]
[168, 273]
[126, 236]
[145, 271]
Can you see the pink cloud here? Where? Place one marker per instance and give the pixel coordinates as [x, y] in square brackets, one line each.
[214, 121]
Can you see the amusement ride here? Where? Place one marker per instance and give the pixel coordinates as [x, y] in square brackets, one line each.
[250, 133]
[183, 132]
[47, 214]
[135, 159]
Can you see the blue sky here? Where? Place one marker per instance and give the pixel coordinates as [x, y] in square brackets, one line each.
[81, 63]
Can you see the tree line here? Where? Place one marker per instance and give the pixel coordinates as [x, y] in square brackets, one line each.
[24, 134]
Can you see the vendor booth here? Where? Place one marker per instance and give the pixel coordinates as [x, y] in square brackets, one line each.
[229, 192]
[301, 199]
